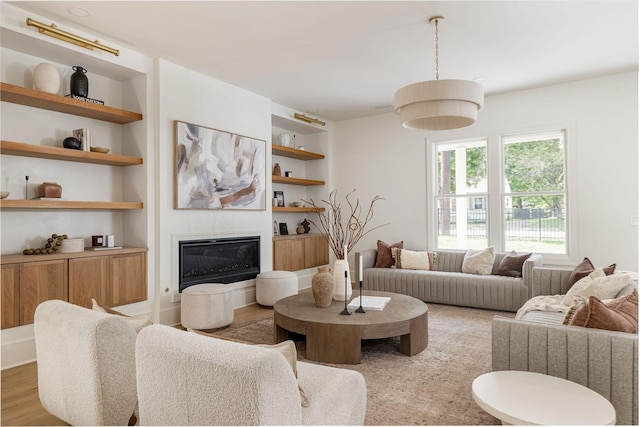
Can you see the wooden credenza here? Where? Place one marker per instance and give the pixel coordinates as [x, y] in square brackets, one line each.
[113, 277]
[299, 251]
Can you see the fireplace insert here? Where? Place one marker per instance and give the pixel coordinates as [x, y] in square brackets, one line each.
[224, 260]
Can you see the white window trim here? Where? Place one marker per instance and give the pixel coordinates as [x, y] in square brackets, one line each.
[495, 186]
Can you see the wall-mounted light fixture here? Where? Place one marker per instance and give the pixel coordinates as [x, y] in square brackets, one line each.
[53, 31]
[304, 118]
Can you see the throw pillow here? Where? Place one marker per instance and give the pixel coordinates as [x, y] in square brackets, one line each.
[511, 264]
[384, 258]
[414, 260]
[597, 284]
[479, 262]
[286, 348]
[583, 270]
[621, 314]
[137, 322]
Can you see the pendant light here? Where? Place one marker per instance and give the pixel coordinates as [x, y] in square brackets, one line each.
[439, 104]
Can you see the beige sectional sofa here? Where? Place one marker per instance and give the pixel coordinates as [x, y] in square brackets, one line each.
[449, 285]
[605, 361]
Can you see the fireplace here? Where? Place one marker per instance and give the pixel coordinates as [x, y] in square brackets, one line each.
[224, 260]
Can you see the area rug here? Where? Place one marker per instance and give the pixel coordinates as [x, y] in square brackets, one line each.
[431, 388]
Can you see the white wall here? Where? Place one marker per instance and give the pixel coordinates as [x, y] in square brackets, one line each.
[376, 155]
[194, 98]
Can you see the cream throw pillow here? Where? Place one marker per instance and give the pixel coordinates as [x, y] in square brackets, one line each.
[137, 322]
[479, 262]
[412, 260]
[597, 284]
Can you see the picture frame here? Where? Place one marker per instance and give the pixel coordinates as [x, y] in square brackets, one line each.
[283, 229]
[279, 195]
[215, 169]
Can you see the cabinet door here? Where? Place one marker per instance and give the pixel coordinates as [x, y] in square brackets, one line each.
[41, 281]
[89, 278]
[323, 250]
[128, 279]
[316, 251]
[288, 254]
[10, 295]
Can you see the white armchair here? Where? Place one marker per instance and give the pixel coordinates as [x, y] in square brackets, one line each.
[86, 364]
[189, 379]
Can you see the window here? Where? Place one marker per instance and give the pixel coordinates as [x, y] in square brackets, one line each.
[461, 195]
[534, 194]
[505, 191]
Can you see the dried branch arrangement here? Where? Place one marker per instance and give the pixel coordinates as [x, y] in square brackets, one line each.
[338, 232]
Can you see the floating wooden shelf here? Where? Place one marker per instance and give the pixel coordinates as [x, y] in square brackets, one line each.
[66, 204]
[294, 153]
[48, 101]
[57, 153]
[294, 209]
[295, 181]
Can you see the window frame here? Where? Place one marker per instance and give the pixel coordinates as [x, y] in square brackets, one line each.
[495, 185]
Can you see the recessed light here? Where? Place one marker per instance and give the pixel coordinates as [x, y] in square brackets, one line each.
[78, 11]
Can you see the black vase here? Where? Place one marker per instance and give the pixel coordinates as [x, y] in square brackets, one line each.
[79, 82]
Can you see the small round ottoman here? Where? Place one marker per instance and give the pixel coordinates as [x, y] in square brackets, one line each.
[206, 306]
[272, 286]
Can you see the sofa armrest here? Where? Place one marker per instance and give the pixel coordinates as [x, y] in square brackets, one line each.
[368, 258]
[535, 260]
[604, 361]
[549, 281]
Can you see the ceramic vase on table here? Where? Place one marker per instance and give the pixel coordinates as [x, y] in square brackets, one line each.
[46, 78]
[322, 287]
[339, 268]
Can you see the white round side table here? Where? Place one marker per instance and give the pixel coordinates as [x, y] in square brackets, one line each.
[530, 398]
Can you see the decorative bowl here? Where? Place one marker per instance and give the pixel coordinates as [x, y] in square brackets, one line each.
[69, 246]
[298, 204]
[71, 142]
[4, 194]
[102, 150]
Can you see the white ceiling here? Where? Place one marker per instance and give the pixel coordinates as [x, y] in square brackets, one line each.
[345, 59]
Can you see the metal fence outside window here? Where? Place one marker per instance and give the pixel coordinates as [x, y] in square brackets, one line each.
[522, 224]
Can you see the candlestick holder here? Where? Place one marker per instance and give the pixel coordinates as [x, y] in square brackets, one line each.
[361, 309]
[346, 311]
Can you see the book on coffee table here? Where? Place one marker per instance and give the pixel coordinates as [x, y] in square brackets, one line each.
[369, 302]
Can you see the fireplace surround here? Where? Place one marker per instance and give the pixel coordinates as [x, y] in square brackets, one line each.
[218, 260]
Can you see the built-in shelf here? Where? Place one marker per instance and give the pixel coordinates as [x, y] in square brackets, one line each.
[295, 181]
[294, 209]
[67, 204]
[62, 104]
[57, 153]
[294, 153]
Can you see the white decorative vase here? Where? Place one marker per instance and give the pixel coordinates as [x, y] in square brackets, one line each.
[338, 280]
[46, 78]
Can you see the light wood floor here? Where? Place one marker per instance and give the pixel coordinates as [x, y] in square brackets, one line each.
[21, 405]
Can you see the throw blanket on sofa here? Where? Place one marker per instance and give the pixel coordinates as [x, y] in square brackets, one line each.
[547, 303]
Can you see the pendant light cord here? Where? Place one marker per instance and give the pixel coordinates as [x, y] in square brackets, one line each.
[437, 53]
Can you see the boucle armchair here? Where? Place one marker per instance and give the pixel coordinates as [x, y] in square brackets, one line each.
[189, 379]
[86, 364]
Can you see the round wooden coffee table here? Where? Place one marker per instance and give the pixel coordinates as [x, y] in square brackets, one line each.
[335, 338]
[530, 398]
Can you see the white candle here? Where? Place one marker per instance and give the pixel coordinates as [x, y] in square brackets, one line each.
[345, 252]
[360, 269]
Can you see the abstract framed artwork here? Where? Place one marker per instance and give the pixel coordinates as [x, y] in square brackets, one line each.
[214, 169]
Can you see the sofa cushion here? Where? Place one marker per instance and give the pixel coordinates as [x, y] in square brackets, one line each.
[621, 314]
[583, 270]
[478, 262]
[137, 322]
[511, 264]
[597, 284]
[414, 260]
[384, 258]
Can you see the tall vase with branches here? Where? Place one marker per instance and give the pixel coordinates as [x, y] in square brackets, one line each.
[343, 232]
